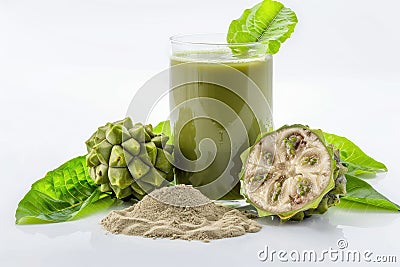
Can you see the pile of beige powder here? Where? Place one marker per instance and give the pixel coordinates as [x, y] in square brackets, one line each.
[179, 212]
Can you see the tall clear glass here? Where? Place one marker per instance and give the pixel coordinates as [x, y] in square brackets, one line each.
[220, 101]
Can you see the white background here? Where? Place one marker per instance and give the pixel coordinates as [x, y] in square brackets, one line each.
[67, 67]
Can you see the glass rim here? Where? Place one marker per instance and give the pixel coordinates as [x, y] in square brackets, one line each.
[175, 39]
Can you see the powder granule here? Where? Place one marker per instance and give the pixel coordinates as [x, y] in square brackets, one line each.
[179, 212]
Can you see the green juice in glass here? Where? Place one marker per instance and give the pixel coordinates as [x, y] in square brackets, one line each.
[190, 127]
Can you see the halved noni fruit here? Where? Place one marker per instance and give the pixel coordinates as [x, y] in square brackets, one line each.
[292, 173]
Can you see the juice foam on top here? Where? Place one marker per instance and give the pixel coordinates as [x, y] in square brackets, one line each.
[215, 56]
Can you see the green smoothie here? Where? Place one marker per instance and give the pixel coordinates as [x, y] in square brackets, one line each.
[203, 104]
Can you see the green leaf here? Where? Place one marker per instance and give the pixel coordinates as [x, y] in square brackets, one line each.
[268, 22]
[164, 127]
[64, 194]
[361, 195]
[353, 157]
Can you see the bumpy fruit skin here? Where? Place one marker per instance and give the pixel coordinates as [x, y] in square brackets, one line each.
[292, 173]
[128, 159]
